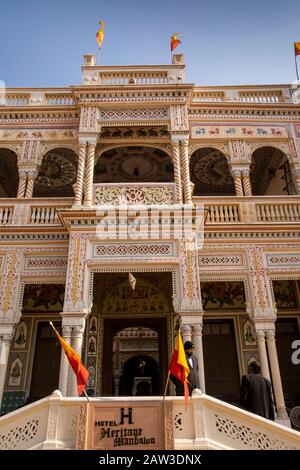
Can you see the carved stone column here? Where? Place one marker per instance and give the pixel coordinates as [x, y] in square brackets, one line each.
[80, 174]
[77, 339]
[276, 378]
[237, 178]
[246, 182]
[177, 172]
[89, 174]
[22, 184]
[185, 169]
[64, 363]
[260, 335]
[5, 342]
[30, 183]
[186, 332]
[197, 340]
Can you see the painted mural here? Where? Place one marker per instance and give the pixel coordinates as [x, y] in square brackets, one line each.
[43, 297]
[223, 295]
[285, 293]
[119, 298]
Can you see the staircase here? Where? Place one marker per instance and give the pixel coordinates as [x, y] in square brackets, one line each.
[60, 423]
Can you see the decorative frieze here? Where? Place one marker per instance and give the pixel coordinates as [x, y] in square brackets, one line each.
[286, 260]
[46, 263]
[139, 250]
[131, 114]
[38, 135]
[221, 260]
[233, 132]
[134, 194]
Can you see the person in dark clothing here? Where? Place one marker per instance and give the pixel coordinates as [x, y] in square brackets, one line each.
[193, 377]
[256, 393]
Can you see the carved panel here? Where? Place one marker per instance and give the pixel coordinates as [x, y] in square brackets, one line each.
[124, 250]
[75, 275]
[10, 284]
[244, 434]
[283, 260]
[132, 114]
[179, 118]
[19, 435]
[43, 263]
[234, 132]
[223, 260]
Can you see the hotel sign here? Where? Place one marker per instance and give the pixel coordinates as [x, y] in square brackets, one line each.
[124, 426]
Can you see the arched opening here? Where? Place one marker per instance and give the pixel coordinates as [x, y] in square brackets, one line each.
[57, 174]
[9, 175]
[270, 173]
[135, 361]
[134, 164]
[210, 173]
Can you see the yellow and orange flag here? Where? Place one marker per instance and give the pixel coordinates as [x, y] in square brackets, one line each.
[100, 34]
[179, 366]
[175, 41]
[81, 372]
[297, 48]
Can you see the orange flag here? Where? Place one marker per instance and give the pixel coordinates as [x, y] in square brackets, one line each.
[100, 34]
[174, 41]
[297, 48]
[81, 372]
[179, 366]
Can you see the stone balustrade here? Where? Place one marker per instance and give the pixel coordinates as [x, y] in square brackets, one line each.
[59, 423]
[219, 210]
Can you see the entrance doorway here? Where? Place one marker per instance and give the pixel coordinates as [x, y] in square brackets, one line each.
[140, 373]
[222, 379]
[46, 364]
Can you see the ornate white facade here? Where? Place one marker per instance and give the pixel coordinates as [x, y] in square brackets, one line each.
[84, 168]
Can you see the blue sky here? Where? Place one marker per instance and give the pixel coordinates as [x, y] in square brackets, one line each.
[225, 42]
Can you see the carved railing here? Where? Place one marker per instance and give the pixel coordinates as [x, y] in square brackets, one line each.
[249, 210]
[35, 211]
[132, 78]
[254, 95]
[61, 97]
[134, 193]
[55, 423]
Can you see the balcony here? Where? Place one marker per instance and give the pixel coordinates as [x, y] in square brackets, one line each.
[258, 210]
[249, 210]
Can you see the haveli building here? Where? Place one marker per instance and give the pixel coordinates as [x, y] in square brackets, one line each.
[83, 169]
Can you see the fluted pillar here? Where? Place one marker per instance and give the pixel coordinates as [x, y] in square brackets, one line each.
[237, 178]
[186, 333]
[177, 172]
[198, 344]
[276, 378]
[89, 174]
[77, 339]
[185, 169]
[22, 184]
[5, 342]
[80, 175]
[246, 182]
[64, 363]
[30, 183]
[260, 335]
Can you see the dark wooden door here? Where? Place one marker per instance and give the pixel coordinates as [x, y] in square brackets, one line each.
[287, 331]
[46, 364]
[222, 377]
[112, 326]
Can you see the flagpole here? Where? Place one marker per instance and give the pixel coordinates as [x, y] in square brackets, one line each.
[97, 55]
[296, 68]
[167, 382]
[86, 395]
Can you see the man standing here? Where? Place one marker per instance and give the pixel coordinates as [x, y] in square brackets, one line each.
[193, 377]
[256, 394]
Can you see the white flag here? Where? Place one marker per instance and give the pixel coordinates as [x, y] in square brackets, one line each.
[132, 280]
